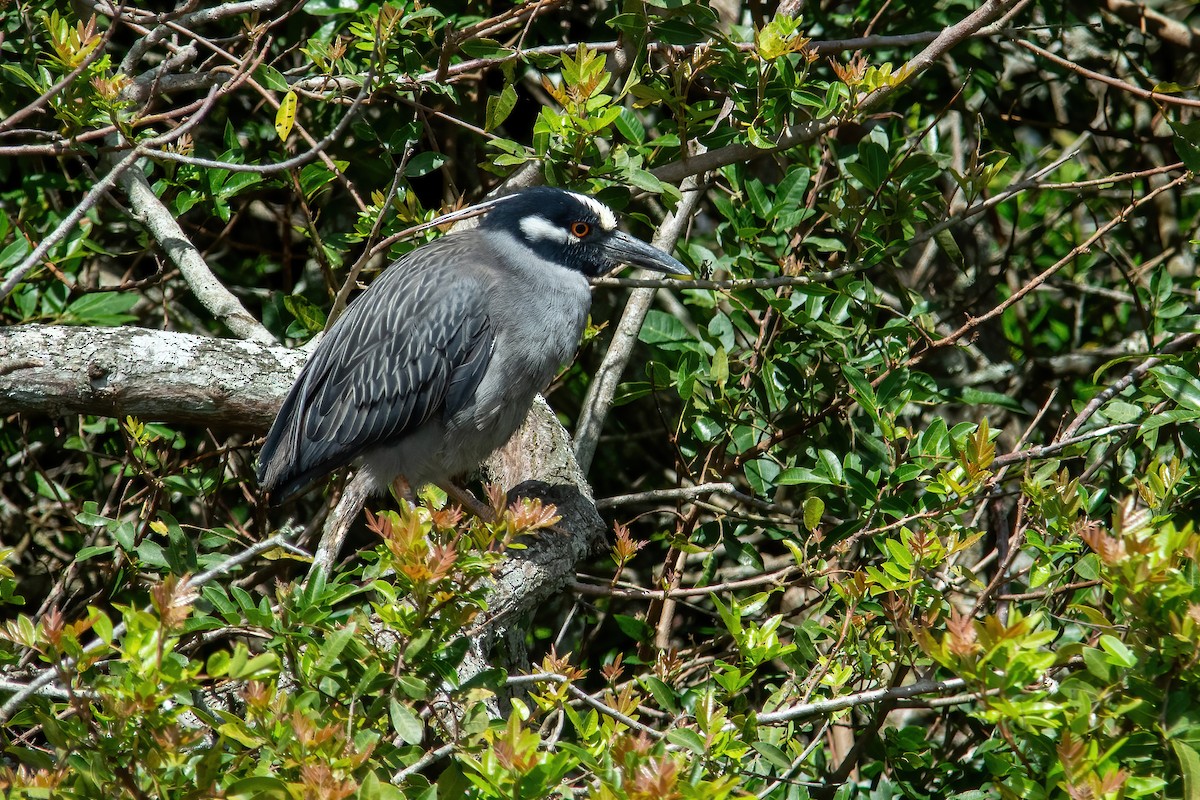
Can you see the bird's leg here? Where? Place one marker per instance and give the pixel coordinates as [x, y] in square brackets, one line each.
[403, 490]
[468, 501]
[338, 524]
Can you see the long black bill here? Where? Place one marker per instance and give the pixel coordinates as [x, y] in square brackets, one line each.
[626, 249]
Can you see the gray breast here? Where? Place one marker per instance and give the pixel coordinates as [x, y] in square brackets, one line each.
[537, 311]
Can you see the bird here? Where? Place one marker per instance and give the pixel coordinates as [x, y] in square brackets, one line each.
[437, 363]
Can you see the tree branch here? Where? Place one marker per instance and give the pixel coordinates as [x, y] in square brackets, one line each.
[211, 293]
[153, 375]
[232, 384]
[1156, 24]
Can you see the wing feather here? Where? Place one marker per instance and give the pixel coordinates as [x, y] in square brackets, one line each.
[416, 344]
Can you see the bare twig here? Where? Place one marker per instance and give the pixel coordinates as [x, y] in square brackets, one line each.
[1041, 278]
[424, 761]
[868, 697]
[1180, 342]
[587, 699]
[89, 201]
[777, 578]
[1108, 80]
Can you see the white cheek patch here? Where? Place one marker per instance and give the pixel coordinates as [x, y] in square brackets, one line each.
[538, 228]
[608, 220]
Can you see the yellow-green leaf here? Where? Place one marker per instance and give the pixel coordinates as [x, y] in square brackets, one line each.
[285, 117]
[814, 509]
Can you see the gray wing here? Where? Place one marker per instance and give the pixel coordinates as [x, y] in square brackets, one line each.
[414, 345]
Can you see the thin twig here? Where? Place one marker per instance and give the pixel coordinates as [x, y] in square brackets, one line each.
[1108, 80]
[424, 761]
[587, 699]
[89, 201]
[1041, 278]
[777, 578]
[860, 699]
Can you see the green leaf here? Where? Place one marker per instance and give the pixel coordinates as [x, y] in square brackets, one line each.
[370, 789]
[1174, 416]
[218, 664]
[814, 509]
[91, 552]
[629, 125]
[335, 644]
[1187, 143]
[101, 308]
[413, 687]
[872, 165]
[423, 164]
[864, 393]
[1118, 653]
[660, 327]
[634, 628]
[718, 371]
[1120, 411]
[101, 625]
[485, 48]
[24, 77]
[89, 516]
[272, 78]
[762, 473]
[1178, 384]
[407, 725]
[799, 476]
[1189, 765]
[152, 554]
[261, 667]
[236, 183]
[256, 787]
[499, 107]
[315, 175]
[664, 694]
[687, 738]
[305, 312]
[773, 755]
[14, 252]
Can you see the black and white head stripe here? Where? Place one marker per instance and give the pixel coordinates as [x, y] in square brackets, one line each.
[552, 216]
[604, 215]
[573, 231]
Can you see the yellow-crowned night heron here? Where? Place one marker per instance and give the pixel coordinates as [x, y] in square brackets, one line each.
[437, 363]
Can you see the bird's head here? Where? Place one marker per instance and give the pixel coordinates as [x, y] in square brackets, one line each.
[576, 231]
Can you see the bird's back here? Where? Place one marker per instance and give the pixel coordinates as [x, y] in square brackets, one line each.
[431, 368]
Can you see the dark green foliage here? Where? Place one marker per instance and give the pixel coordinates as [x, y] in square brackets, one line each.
[938, 374]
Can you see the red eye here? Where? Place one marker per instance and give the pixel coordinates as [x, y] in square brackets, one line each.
[580, 229]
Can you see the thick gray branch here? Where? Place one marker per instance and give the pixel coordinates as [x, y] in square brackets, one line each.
[152, 375]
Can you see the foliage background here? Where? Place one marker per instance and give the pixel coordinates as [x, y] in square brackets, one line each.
[902, 490]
